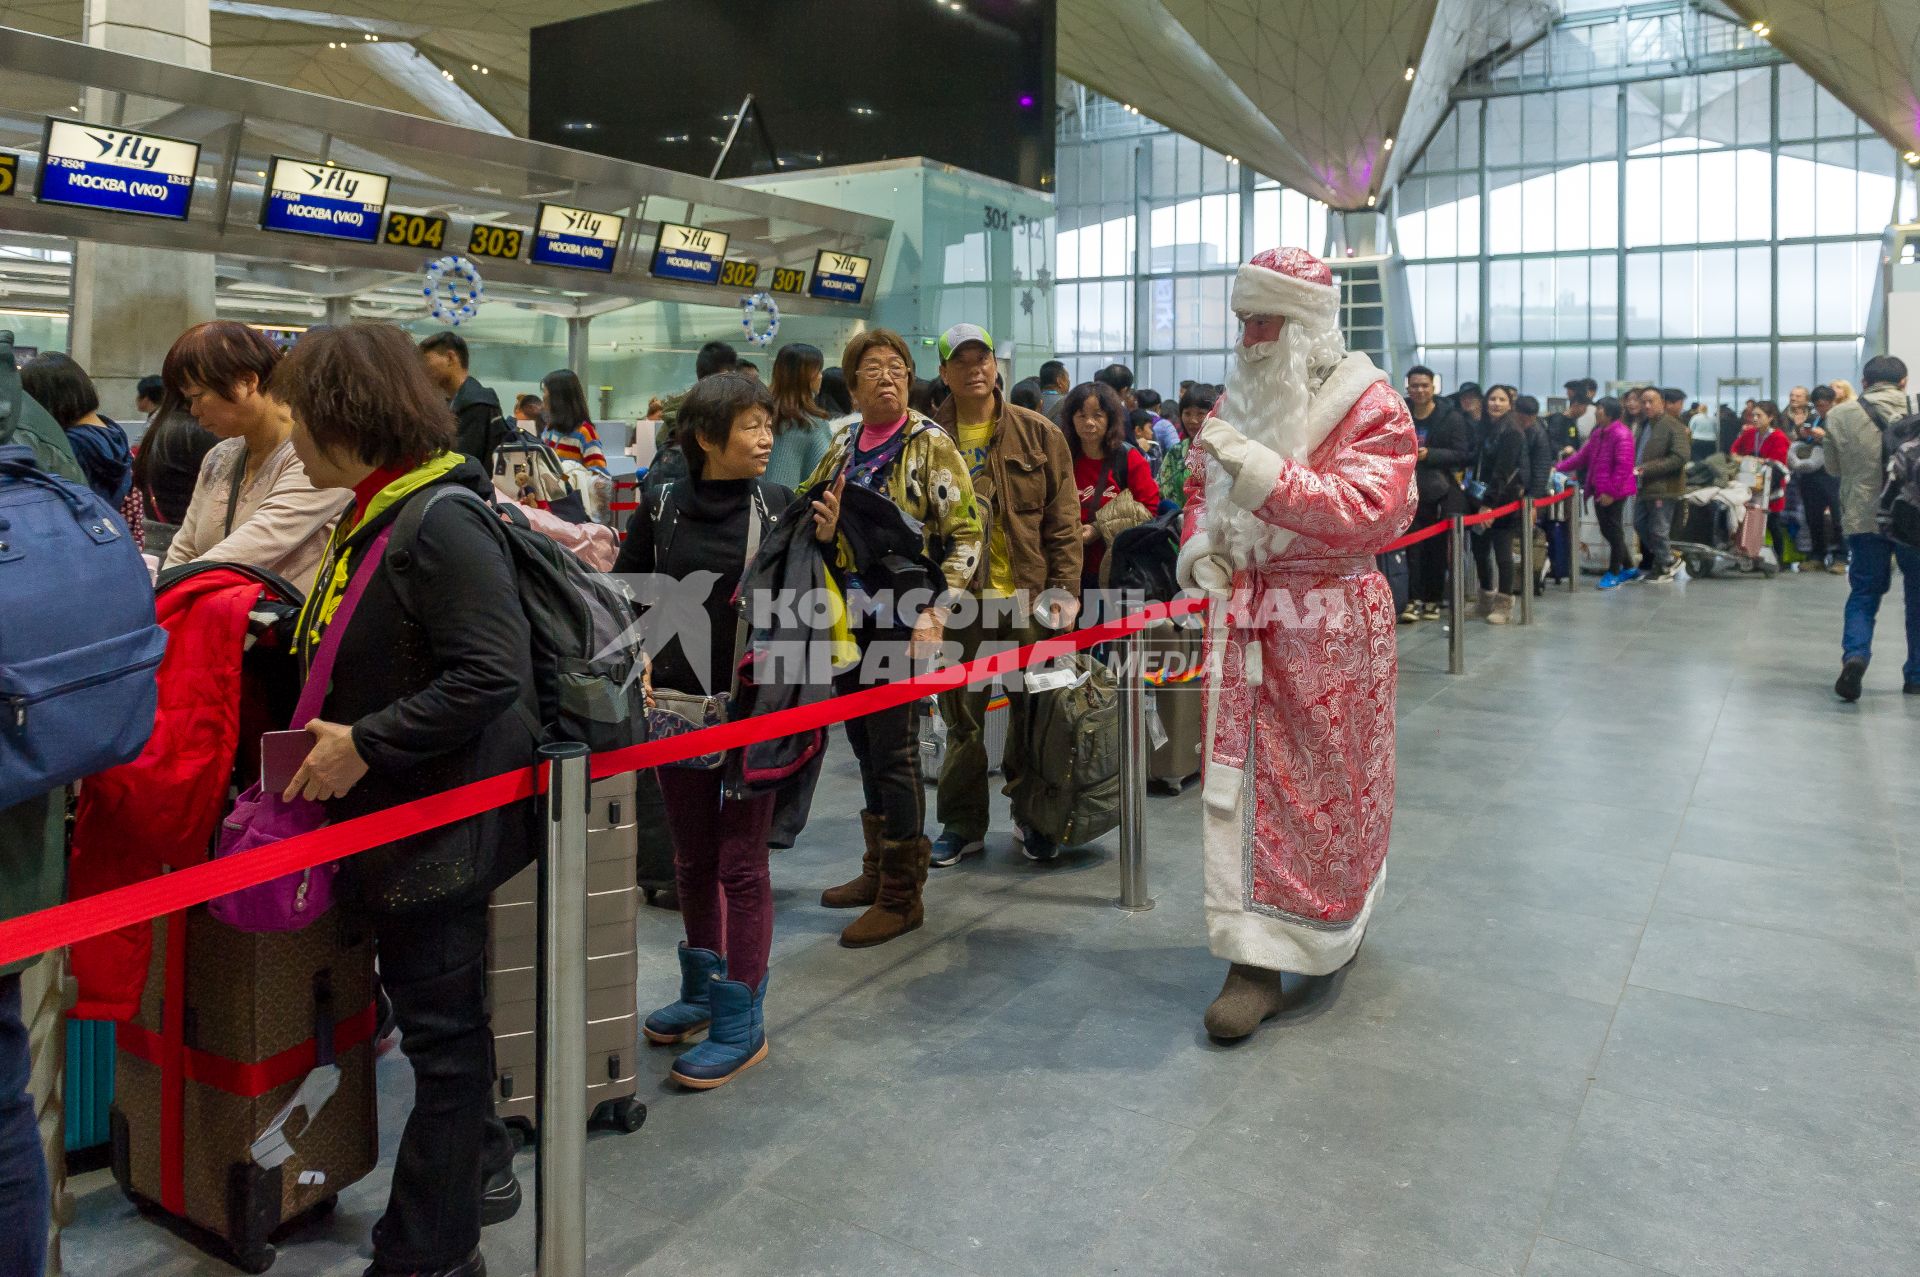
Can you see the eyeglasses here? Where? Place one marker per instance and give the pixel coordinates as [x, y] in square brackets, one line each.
[895, 371]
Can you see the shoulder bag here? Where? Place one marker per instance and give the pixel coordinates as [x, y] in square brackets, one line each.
[289, 903]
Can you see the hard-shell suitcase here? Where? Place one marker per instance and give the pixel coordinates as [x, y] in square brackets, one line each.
[933, 736]
[653, 860]
[613, 1022]
[244, 1090]
[1176, 710]
[1753, 531]
[1393, 566]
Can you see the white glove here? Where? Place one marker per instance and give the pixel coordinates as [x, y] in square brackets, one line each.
[1226, 445]
[1199, 568]
[1252, 468]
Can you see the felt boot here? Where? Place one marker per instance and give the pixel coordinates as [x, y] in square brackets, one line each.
[1250, 996]
[678, 1021]
[897, 910]
[736, 1042]
[864, 890]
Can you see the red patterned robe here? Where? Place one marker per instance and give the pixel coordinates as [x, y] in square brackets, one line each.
[1299, 766]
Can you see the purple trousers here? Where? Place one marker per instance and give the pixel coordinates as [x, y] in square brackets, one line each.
[720, 869]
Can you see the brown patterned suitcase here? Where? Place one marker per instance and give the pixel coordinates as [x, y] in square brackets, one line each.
[244, 1089]
[613, 1022]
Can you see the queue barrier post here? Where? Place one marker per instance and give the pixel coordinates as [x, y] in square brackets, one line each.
[1573, 538]
[1457, 595]
[1133, 774]
[1529, 560]
[560, 1223]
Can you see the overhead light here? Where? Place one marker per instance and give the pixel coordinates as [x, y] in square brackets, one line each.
[1762, 30]
[1409, 75]
[1912, 158]
[483, 70]
[474, 67]
[1388, 146]
[1372, 200]
[1231, 160]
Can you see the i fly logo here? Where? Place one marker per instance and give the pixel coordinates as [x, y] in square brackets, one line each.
[332, 181]
[584, 223]
[128, 148]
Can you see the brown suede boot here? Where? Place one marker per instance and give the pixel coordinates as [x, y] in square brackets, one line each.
[903, 874]
[1250, 997]
[864, 890]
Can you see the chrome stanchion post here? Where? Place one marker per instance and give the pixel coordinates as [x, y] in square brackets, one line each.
[1133, 775]
[1573, 539]
[1457, 596]
[560, 1220]
[1529, 561]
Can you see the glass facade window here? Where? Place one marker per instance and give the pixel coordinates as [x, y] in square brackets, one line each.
[1687, 230]
[1152, 226]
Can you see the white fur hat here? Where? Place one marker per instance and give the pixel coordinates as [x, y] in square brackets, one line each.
[1290, 282]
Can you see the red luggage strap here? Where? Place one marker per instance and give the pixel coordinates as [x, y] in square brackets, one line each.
[179, 1063]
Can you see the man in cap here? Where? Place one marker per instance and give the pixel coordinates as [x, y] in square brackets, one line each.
[1030, 513]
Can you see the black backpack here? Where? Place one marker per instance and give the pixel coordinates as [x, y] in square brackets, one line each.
[1146, 558]
[587, 648]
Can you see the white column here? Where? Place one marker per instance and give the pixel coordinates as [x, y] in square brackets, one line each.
[130, 303]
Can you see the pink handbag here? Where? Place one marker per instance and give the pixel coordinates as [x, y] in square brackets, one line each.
[291, 902]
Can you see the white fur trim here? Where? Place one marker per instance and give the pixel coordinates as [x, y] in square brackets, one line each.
[1256, 939]
[1350, 379]
[1259, 291]
[1259, 471]
[1252, 659]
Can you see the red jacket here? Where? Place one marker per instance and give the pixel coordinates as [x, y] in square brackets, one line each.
[1774, 449]
[159, 811]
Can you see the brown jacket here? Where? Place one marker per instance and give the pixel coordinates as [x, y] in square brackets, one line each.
[1039, 513]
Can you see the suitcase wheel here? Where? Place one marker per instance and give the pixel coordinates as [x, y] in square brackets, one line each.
[627, 1115]
[254, 1259]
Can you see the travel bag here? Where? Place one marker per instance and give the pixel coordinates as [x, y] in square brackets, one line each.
[1070, 788]
[244, 1087]
[653, 862]
[613, 1022]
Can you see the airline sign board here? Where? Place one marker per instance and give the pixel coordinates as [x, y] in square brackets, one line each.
[89, 166]
[323, 199]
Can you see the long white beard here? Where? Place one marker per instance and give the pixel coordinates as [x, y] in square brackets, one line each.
[1268, 396]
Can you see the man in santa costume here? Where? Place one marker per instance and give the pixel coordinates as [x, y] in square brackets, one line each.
[1286, 509]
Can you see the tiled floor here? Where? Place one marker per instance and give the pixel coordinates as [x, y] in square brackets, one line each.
[1642, 999]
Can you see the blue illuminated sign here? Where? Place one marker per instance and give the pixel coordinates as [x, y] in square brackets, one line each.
[577, 238]
[839, 277]
[90, 166]
[689, 253]
[323, 199]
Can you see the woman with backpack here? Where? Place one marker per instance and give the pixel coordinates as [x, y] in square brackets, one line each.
[1606, 460]
[61, 386]
[417, 606]
[1503, 469]
[711, 523]
[1105, 466]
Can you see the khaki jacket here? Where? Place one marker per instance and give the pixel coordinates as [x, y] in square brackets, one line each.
[1027, 493]
[1663, 449]
[1855, 455]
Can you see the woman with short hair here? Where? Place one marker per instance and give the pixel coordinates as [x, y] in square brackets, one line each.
[904, 456]
[252, 503]
[724, 507]
[432, 690]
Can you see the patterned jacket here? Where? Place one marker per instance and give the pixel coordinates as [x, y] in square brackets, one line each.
[932, 484]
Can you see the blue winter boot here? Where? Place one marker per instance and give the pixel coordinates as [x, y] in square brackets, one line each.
[678, 1021]
[736, 1041]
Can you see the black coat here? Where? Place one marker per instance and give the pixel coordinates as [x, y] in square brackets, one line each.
[1504, 461]
[483, 427]
[431, 667]
[1450, 449]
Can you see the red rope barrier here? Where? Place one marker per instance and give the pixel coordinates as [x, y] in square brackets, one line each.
[1415, 537]
[138, 902]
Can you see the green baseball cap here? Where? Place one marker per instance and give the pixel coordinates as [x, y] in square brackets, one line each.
[959, 335]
